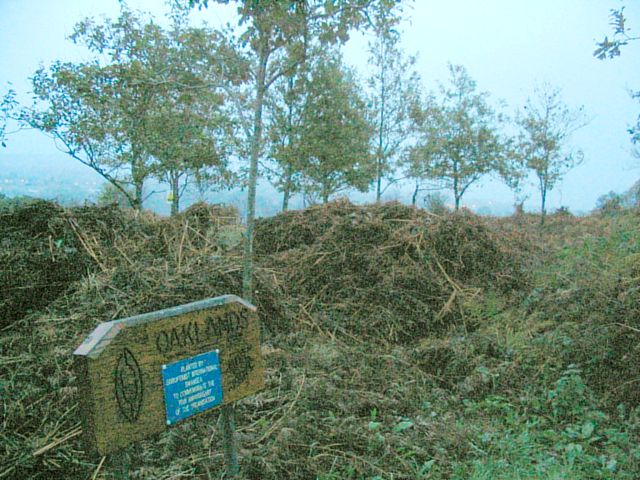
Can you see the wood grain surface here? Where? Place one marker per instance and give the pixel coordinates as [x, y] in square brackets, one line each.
[119, 366]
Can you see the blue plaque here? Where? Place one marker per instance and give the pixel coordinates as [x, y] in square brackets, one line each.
[192, 385]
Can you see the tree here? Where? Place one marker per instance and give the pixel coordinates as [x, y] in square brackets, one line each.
[95, 110]
[611, 48]
[7, 108]
[334, 151]
[275, 35]
[110, 195]
[392, 91]
[104, 112]
[318, 130]
[187, 132]
[458, 140]
[610, 203]
[285, 127]
[545, 127]
[185, 146]
[513, 172]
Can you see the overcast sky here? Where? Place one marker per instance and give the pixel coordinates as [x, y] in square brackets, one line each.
[507, 46]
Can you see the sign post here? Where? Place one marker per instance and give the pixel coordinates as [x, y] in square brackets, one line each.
[229, 442]
[142, 374]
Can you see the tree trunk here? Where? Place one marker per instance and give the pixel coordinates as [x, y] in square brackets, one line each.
[456, 193]
[138, 196]
[289, 173]
[543, 198]
[138, 182]
[380, 159]
[256, 140]
[175, 200]
[379, 181]
[414, 197]
[287, 189]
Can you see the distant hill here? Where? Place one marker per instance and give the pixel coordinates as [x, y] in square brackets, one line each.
[50, 177]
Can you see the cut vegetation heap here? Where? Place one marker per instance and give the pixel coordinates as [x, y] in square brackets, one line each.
[385, 271]
[398, 343]
[134, 262]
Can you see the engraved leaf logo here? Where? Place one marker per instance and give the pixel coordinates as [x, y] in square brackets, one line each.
[128, 385]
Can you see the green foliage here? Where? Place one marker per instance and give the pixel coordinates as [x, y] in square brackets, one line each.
[94, 110]
[318, 132]
[458, 139]
[336, 134]
[285, 132]
[110, 195]
[564, 435]
[8, 105]
[393, 91]
[142, 106]
[546, 125]
[632, 196]
[274, 36]
[527, 384]
[436, 203]
[611, 48]
[9, 204]
[634, 131]
[418, 348]
[610, 203]
[189, 132]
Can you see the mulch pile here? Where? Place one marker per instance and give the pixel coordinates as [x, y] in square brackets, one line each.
[138, 261]
[43, 253]
[83, 266]
[384, 271]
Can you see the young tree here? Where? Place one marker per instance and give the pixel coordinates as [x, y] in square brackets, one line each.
[392, 91]
[545, 127]
[458, 139]
[334, 154]
[275, 35]
[513, 172]
[285, 126]
[185, 145]
[187, 132]
[95, 110]
[318, 130]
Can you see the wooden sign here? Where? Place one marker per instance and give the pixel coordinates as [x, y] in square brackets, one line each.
[140, 374]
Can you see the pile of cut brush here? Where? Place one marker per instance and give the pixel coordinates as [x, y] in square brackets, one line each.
[140, 261]
[44, 252]
[384, 271]
[375, 272]
[67, 270]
